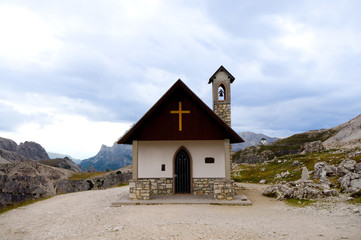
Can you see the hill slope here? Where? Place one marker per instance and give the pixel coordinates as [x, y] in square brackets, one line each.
[348, 135]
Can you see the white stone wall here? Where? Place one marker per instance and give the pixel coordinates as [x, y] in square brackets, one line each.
[152, 154]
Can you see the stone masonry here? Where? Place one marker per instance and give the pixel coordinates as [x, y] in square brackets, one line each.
[161, 186]
[223, 110]
[144, 189]
[224, 190]
[139, 190]
[203, 186]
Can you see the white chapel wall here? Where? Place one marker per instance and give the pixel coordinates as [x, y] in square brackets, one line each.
[152, 154]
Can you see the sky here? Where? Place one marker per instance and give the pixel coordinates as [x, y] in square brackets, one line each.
[77, 74]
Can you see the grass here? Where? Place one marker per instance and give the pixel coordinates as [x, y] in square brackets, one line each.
[253, 173]
[121, 185]
[20, 204]
[85, 175]
[299, 202]
[287, 146]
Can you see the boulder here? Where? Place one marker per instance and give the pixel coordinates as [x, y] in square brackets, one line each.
[315, 146]
[345, 181]
[341, 171]
[322, 169]
[305, 174]
[300, 190]
[358, 167]
[349, 164]
[356, 184]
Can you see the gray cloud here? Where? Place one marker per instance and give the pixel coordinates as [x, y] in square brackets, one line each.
[297, 65]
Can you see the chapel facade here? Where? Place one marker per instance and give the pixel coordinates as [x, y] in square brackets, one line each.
[181, 146]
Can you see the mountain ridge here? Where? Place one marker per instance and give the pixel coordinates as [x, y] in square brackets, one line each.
[109, 158]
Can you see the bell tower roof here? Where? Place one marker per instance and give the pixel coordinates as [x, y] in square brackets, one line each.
[221, 69]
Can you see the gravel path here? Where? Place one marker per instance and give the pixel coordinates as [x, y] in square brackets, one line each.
[88, 215]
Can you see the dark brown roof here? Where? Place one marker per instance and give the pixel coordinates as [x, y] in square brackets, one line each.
[221, 69]
[201, 123]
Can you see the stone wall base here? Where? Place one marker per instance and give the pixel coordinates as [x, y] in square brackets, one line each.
[144, 189]
[224, 189]
[139, 190]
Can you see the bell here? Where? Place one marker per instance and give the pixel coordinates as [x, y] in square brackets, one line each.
[221, 93]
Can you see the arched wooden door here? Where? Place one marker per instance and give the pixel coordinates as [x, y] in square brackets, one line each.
[182, 172]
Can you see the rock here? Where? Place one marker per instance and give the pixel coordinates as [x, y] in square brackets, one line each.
[32, 150]
[345, 181]
[295, 163]
[348, 164]
[324, 181]
[319, 166]
[341, 171]
[8, 144]
[262, 181]
[277, 176]
[284, 174]
[358, 167]
[305, 175]
[299, 190]
[30, 180]
[330, 192]
[315, 146]
[65, 163]
[322, 169]
[356, 184]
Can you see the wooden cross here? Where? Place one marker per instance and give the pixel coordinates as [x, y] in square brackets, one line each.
[180, 112]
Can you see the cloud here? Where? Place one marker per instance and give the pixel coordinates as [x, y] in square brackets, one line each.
[71, 134]
[297, 64]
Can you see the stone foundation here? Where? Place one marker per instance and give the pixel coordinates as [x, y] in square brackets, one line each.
[144, 189]
[161, 186]
[203, 186]
[224, 190]
[139, 190]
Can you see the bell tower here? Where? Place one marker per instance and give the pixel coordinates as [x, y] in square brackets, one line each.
[221, 91]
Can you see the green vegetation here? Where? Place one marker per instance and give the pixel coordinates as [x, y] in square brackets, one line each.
[253, 173]
[21, 204]
[287, 146]
[85, 175]
[299, 202]
[298, 140]
[121, 185]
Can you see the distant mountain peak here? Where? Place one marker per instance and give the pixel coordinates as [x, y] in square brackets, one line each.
[251, 139]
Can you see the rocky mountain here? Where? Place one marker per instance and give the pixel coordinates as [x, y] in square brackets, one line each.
[251, 139]
[59, 155]
[11, 152]
[112, 158]
[347, 135]
[65, 163]
[30, 180]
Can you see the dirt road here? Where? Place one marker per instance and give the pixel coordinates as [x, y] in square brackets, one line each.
[89, 215]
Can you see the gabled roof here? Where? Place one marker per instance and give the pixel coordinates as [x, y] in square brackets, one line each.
[159, 124]
[221, 69]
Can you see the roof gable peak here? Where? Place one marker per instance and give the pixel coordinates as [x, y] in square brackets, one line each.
[221, 69]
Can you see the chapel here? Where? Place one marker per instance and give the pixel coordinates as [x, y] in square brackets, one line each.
[181, 146]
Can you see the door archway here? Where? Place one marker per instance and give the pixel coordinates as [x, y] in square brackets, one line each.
[182, 172]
